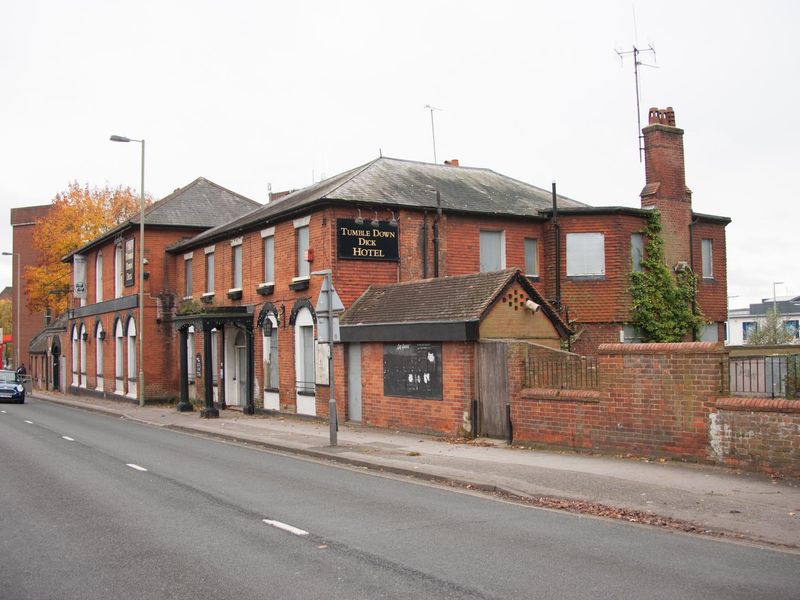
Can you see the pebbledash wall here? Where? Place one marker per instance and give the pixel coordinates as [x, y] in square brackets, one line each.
[667, 400]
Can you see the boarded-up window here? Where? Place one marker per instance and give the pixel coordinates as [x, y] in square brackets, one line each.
[412, 370]
[586, 254]
[492, 251]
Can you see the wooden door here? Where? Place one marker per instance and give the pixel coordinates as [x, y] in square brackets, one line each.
[492, 390]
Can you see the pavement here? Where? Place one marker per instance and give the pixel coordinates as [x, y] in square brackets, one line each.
[694, 498]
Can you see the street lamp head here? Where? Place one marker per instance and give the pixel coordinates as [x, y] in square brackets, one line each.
[119, 138]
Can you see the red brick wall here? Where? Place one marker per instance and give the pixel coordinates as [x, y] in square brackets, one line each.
[415, 414]
[653, 399]
[23, 221]
[712, 293]
[757, 434]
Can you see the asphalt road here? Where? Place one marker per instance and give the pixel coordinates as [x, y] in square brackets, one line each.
[97, 507]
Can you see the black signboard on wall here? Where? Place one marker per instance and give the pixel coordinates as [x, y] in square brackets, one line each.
[129, 262]
[412, 370]
[367, 242]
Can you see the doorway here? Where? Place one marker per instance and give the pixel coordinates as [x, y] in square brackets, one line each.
[354, 382]
[492, 390]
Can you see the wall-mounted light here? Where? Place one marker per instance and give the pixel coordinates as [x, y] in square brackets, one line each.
[359, 218]
[393, 221]
[374, 221]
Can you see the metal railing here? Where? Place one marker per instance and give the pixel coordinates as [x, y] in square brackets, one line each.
[776, 376]
[567, 372]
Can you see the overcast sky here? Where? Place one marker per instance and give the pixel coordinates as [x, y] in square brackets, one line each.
[248, 93]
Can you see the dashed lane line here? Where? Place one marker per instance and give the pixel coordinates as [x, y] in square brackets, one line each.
[137, 467]
[285, 527]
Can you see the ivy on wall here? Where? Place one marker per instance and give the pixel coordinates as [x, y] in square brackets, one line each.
[662, 301]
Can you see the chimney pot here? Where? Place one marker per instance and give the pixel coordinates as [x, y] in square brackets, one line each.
[453, 162]
[662, 116]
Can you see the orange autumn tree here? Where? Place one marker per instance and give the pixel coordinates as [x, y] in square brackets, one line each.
[79, 215]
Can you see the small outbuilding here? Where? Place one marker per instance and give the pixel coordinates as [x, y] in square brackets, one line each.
[419, 353]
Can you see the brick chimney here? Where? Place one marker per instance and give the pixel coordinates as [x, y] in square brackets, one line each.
[665, 187]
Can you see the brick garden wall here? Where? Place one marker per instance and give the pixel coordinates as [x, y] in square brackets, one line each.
[660, 400]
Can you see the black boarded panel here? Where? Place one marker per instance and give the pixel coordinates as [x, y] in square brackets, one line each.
[412, 371]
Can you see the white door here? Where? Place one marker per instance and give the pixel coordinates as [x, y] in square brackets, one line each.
[271, 382]
[240, 369]
[305, 384]
[354, 382]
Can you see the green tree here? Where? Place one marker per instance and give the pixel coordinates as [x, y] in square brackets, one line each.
[662, 301]
[770, 332]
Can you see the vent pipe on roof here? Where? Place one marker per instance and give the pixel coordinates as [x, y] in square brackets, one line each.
[557, 233]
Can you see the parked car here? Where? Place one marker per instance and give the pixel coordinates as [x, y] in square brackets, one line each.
[11, 389]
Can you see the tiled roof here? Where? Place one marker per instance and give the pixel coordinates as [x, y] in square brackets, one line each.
[460, 298]
[38, 344]
[403, 183]
[201, 204]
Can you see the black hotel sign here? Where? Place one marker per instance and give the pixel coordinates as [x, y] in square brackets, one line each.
[367, 242]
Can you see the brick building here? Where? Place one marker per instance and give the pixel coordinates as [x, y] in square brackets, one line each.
[248, 287]
[101, 329]
[23, 222]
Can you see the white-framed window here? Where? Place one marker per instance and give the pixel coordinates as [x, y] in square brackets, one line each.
[637, 252]
[493, 251]
[236, 264]
[586, 255]
[271, 380]
[98, 335]
[75, 380]
[301, 235]
[119, 336]
[83, 355]
[98, 277]
[131, 357]
[269, 255]
[748, 329]
[531, 257]
[210, 272]
[707, 250]
[188, 261]
[118, 271]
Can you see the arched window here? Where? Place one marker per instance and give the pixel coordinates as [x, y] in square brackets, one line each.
[118, 358]
[118, 271]
[99, 335]
[75, 380]
[98, 277]
[82, 344]
[304, 362]
[131, 357]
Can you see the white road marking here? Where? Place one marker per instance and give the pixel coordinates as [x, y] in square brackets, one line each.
[29, 422]
[66, 437]
[137, 467]
[285, 527]
[4, 412]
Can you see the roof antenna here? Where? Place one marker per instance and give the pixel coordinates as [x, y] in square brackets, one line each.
[636, 64]
[433, 131]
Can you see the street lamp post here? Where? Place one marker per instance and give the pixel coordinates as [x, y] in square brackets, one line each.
[140, 331]
[15, 331]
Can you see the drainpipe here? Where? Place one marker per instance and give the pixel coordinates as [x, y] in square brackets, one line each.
[436, 234]
[557, 229]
